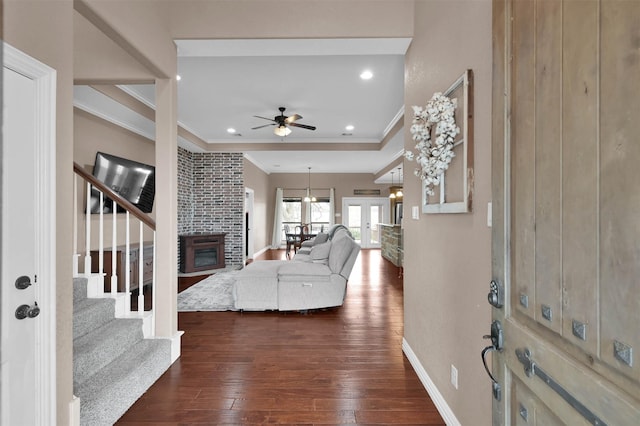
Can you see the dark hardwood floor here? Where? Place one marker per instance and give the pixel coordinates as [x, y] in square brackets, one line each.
[337, 366]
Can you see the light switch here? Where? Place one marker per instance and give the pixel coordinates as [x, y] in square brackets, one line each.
[415, 212]
[489, 215]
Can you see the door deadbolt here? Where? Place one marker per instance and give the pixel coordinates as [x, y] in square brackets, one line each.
[495, 296]
[23, 282]
[26, 311]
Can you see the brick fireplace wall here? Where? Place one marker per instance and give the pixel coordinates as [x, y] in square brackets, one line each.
[185, 194]
[185, 191]
[211, 197]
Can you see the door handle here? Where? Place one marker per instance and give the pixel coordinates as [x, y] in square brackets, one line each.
[497, 341]
[26, 311]
[532, 369]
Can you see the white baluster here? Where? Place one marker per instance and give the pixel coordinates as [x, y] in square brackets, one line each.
[141, 273]
[114, 243]
[74, 265]
[87, 243]
[127, 267]
[101, 242]
[153, 289]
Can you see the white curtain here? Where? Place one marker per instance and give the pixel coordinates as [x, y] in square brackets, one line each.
[276, 239]
[332, 206]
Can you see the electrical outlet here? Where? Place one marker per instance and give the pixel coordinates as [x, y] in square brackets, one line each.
[454, 376]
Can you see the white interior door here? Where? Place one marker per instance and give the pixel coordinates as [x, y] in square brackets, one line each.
[28, 241]
[363, 216]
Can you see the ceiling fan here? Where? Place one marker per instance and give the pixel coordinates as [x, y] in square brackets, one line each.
[283, 122]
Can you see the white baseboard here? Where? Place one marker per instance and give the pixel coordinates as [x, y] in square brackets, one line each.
[175, 346]
[74, 411]
[441, 404]
[258, 253]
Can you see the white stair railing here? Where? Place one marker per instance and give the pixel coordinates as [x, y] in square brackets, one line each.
[145, 222]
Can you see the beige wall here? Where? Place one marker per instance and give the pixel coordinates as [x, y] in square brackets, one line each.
[98, 58]
[43, 30]
[448, 256]
[258, 181]
[307, 19]
[92, 134]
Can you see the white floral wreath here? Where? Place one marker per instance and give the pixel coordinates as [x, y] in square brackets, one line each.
[433, 158]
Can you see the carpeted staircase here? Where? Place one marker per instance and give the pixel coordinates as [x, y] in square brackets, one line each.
[113, 364]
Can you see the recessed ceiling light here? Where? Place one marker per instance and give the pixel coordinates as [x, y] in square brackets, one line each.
[178, 78]
[349, 127]
[366, 75]
[231, 130]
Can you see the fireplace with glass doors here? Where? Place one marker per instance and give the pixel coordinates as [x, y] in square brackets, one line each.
[201, 252]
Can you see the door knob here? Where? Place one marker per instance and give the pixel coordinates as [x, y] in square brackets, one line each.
[26, 311]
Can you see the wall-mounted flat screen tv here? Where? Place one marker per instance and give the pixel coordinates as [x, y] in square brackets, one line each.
[134, 181]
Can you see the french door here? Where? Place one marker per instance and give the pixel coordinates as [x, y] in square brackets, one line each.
[363, 216]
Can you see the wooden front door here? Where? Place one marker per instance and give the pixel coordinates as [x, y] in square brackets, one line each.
[566, 208]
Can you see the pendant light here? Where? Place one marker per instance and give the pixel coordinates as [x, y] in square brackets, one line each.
[392, 195]
[399, 191]
[309, 197]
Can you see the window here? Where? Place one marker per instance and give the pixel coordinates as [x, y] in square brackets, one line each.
[320, 215]
[291, 213]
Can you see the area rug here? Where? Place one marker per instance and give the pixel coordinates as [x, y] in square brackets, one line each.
[214, 293]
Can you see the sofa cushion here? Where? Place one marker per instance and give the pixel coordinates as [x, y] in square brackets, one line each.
[303, 269]
[318, 239]
[341, 248]
[322, 237]
[320, 253]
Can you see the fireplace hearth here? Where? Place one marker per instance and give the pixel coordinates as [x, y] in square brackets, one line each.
[201, 252]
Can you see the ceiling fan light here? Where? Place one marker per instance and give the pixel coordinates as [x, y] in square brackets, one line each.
[392, 195]
[282, 131]
[399, 193]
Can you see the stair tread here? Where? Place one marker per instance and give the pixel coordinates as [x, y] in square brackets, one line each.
[109, 393]
[110, 330]
[98, 348]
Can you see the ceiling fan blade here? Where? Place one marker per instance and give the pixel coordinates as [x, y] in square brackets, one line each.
[303, 126]
[292, 118]
[264, 118]
[260, 127]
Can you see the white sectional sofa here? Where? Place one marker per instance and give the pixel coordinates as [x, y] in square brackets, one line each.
[315, 278]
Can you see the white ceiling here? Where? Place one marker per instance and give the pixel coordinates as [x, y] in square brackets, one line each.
[225, 83]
